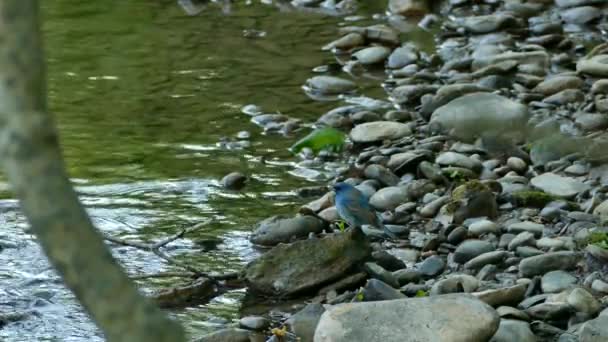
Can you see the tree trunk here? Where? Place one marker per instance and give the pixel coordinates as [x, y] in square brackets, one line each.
[32, 160]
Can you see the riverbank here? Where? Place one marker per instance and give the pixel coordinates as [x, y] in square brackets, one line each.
[485, 158]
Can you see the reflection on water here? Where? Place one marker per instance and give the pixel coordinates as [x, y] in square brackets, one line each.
[147, 100]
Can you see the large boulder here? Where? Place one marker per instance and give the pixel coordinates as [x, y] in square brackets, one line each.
[445, 318]
[469, 116]
[288, 269]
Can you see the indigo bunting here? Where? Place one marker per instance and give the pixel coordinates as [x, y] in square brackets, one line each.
[353, 207]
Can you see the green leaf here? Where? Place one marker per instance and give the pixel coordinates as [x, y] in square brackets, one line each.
[321, 139]
[359, 296]
[341, 225]
[421, 293]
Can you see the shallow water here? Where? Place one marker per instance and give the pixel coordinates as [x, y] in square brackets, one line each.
[143, 95]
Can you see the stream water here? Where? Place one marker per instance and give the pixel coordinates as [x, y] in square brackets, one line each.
[143, 96]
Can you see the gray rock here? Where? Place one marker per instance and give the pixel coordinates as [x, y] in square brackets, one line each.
[589, 122]
[511, 330]
[595, 330]
[600, 286]
[402, 56]
[488, 258]
[375, 290]
[455, 283]
[378, 272]
[407, 276]
[558, 83]
[541, 264]
[503, 296]
[381, 174]
[346, 42]
[584, 302]
[522, 239]
[305, 321]
[411, 93]
[549, 311]
[596, 65]
[602, 211]
[234, 181]
[526, 251]
[254, 323]
[517, 164]
[557, 281]
[470, 115]
[526, 226]
[371, 55]
[232, 335]
[580, 15]
[307, 264]
[388, 261]
[457, 159]
[330, 85]
[448, 93]
[433, 207]
[538, 57]
[432, 266]
[482, 227]
[408, 7]
[281, 229]
[559, 186]
[600, 87]
[469, 249]
[487, 23]
[565, 97]
[410, 320]
[389, 198]
[379, 131]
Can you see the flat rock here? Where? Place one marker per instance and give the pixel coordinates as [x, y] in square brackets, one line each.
[595, 330]
[389, 198]
[580, 15]
[557, 281]
[511, 330]
[330, 85]
[307, 264]
[503, 296]
[379, 131]
[281, 229]
[596, 66]
[541, 264]
[558, 83]
[469, 116]
[410, 320]
[470, 249]
[559, 186]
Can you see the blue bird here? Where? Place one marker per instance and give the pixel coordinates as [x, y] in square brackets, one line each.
[353, 207]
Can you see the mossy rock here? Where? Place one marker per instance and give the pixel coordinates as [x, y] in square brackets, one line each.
[532, 198]
[472, 199]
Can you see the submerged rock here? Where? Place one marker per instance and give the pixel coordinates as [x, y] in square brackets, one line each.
[330, 85]
[454, 318]
[289, 269]
[234, 181]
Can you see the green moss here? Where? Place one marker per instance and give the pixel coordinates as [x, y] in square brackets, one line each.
[532, 198]
[599, 239]
[461, 192]
[421, 293]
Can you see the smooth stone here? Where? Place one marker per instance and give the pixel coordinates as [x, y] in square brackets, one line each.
[433, 207]
[346, 42]
[482, 227]
[511, 330]
[407, 276]
[468, 116]
[558, 83]
[486, 23]
[470, 249]
[557, 281]
[410, 93]
[330, 85]
[387, 260]
[517, 164]
[410, 320]
[580, 15]
[448, 93]
[389, 198]
[432, 266]
[381, 174]
[409, 7]
[378, 131]
[549, 311]
[599, 286]
[596, 65]
[254, 323]
[541, 264]
[495, 257]
[540, 58]
[281, 229]
[455, 283]
[234, 181]
[402, 56]
[307, 264]
[371, 55]
[375, 290]
[565, 97]
[588, 122]
[600, 87]
[595, 330]
[527, 251]
[457, 235]
[503, 296]
[305, 321]
[460, 160]
[549, 243]
[507, 312]
[522, 239]
[559, 186]
[378, 272]
[584, 301]
[526, 226]
[602, 211]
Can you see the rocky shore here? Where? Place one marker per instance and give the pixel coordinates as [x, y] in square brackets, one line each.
[488, 160]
